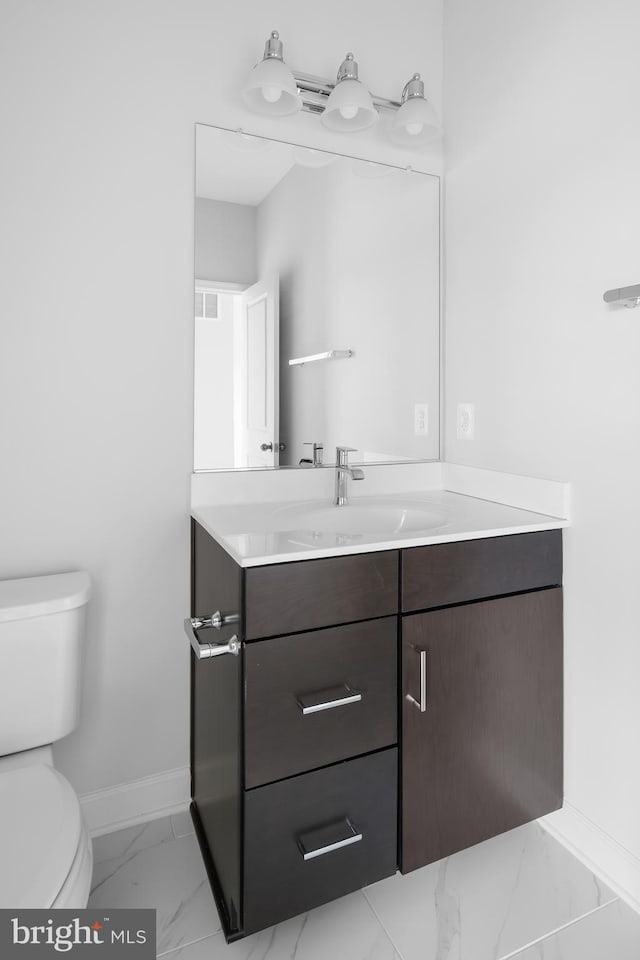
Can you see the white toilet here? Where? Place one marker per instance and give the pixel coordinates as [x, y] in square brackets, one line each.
[46, 858]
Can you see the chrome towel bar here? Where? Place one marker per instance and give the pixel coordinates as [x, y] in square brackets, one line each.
[216, 620]
[205, 650]
[625, 296]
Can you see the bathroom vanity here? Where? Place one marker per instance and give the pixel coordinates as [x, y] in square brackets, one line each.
[382, 706]
[375, 684]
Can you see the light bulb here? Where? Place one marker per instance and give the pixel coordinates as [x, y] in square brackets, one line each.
[348, 111]
[413, 129]
[271, 94]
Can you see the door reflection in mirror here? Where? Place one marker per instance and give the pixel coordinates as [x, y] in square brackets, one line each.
[236, 376]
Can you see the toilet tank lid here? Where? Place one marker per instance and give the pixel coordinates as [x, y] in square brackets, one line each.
[38, 596]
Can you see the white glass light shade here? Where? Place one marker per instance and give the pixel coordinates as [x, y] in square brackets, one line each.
[308, 157]
[349, 107]
[414, 123]
[271, 89]
[370, 170]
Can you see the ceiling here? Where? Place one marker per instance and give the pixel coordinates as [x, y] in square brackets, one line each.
[237, 167]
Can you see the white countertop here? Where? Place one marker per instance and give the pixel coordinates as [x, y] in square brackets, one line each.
[255, 534]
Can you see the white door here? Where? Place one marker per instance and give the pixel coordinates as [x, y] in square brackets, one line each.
[260, 373]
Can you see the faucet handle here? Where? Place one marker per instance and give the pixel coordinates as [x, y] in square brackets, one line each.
[318, 448]
[342, 455]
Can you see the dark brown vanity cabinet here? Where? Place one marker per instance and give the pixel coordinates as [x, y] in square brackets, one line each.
[482, 691]
[455, 650]
[294, 752]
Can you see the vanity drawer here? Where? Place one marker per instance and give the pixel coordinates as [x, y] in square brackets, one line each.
[349, 807]
[289, 597]
[448, 573]
[312, 699]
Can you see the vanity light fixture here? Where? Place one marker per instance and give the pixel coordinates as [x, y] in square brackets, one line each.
[344, 105]
[349, 106]
[308, 157]
[416, 121]
[271, 88]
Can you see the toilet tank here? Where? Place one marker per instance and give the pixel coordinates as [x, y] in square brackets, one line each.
[42, 631]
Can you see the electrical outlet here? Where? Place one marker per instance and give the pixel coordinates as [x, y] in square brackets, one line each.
[421, 419]
[465, 421]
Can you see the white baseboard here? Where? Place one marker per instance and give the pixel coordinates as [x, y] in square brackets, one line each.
[128, 804]
[617, 866]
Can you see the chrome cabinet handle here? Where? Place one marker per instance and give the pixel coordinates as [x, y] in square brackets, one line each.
[205, 650]
[422, 703]
[318, 842]
[327, 699]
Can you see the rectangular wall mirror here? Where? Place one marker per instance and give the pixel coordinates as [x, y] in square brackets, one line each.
[316, 306]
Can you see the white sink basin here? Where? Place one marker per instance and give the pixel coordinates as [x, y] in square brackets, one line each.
[382, 518]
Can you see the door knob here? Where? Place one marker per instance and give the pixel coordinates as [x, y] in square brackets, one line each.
[269, 446]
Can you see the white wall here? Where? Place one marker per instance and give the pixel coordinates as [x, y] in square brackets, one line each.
[542, 196]
[225, 239]
[358, 263]
[292, 242]
[96, 300]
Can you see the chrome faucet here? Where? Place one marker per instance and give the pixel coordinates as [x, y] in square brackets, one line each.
[318, 450]
[343, 470]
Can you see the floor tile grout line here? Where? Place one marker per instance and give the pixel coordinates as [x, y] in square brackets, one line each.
[552, 933]
[183, 946]
[382, 924]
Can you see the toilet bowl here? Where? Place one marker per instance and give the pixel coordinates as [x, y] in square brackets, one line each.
[45, 850]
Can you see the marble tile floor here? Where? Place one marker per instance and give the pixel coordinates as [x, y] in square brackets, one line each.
[520, 896]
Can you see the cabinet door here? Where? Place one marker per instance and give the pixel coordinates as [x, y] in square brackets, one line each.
[482, 753]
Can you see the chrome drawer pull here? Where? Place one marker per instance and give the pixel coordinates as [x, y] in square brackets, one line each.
[422, 703]
[327, 699]
[205, 650]
[323, 840]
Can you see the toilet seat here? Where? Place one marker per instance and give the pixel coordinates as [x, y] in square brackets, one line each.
[46, 852]
[75, 892]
